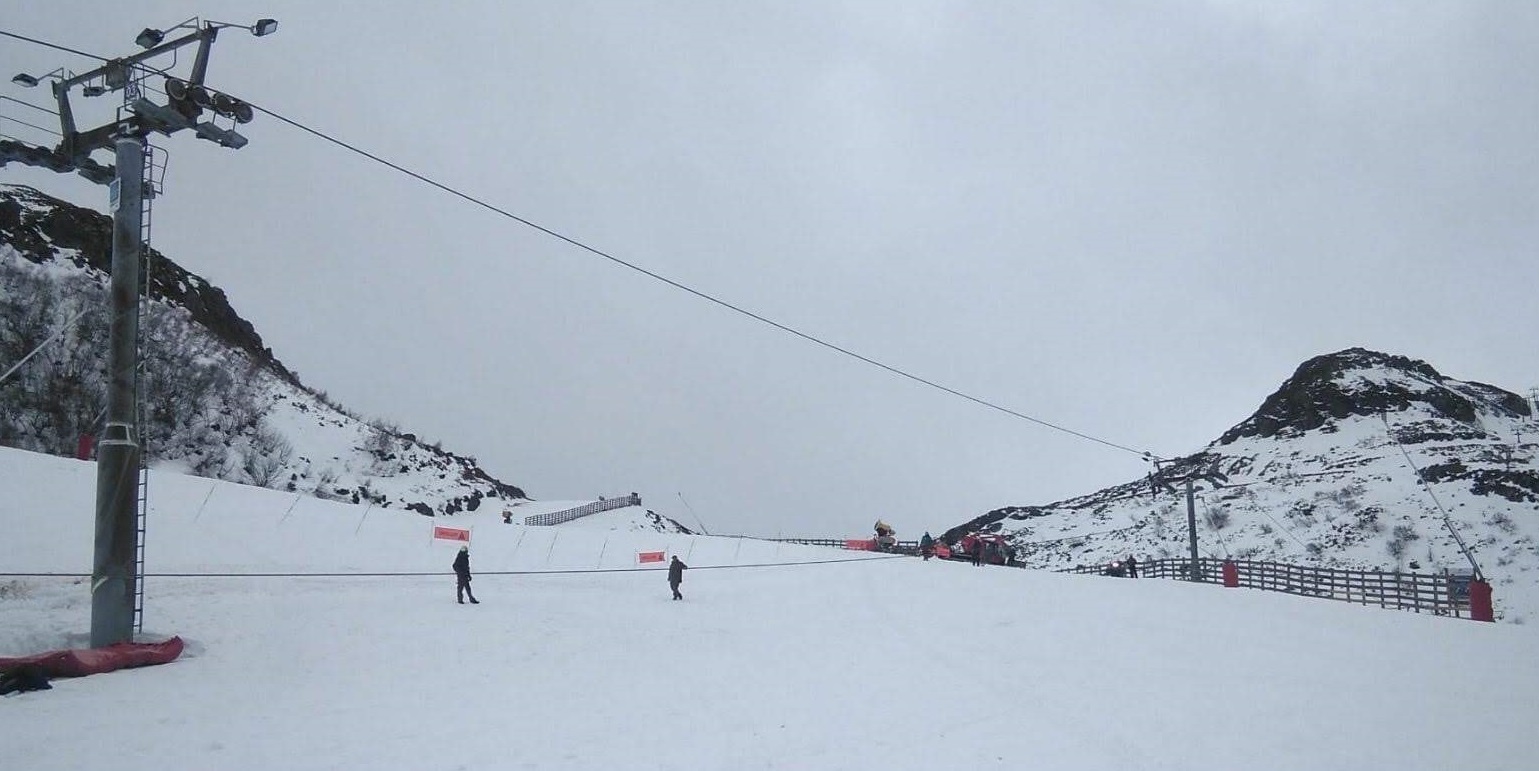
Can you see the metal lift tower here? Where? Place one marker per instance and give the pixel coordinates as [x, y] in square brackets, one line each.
[117, 570]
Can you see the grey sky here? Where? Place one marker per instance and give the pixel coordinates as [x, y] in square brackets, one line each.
[1130, 219]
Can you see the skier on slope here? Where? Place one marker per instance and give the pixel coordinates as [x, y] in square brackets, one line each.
[676, 576]
[462, 574]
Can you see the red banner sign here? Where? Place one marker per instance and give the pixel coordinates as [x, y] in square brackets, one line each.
[644, 557]
[451, 534]
[868, 544]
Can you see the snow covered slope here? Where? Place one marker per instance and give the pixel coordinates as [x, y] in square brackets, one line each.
[218, 402]
[1330, 471]
[825, 660]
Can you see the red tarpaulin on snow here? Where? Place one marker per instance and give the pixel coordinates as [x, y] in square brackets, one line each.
[80, 662]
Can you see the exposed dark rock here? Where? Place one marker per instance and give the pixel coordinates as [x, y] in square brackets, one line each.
[1318, 394]
[1516, 486]
[47, 223]
[1442, 472]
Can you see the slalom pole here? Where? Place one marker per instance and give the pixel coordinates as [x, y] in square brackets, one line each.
[211, 487]
[364, 517]
[552, 548]
[290, 510]
[516, 545]
[692, 513]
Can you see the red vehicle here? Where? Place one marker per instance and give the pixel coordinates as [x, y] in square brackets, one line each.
[995, 548]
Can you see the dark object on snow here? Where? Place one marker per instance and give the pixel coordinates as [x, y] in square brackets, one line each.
[23, 678]
[1115, 569]
[80, 662]
[462, 576]
[676, 570]
[1132, 565]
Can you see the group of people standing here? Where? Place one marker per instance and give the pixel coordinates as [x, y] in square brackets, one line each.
[676, 570]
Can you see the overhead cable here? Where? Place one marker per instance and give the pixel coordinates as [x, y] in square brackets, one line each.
[648, 273]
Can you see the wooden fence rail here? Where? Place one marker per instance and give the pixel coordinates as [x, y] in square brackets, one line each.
[1444, 594]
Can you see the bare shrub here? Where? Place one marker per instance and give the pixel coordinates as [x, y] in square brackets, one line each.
[267, 456]
[1400, 538]
[1501, 520]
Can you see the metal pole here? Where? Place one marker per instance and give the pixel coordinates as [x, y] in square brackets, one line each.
[117, 464]
[1191, 528]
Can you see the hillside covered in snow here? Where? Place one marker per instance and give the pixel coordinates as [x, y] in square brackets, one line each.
[217, 402]
[1360, 460]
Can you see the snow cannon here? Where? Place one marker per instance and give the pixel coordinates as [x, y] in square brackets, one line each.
[886, 540]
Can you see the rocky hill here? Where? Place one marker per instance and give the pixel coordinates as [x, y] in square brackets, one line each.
[218, 403]
[1361, 459]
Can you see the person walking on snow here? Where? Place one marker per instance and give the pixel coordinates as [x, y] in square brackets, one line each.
[927, 545]
[462, 573]
[676, 576]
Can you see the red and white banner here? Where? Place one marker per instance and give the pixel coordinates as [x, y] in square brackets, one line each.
[643, 557]
[441, 533]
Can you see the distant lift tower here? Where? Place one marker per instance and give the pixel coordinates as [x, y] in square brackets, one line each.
[117, 571]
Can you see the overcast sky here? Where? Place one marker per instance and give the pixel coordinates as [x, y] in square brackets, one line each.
[1130, 219]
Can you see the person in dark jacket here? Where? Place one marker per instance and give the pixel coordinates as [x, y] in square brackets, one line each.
[676, 570]
[462, 573]
[927, 545]
[1132, 566]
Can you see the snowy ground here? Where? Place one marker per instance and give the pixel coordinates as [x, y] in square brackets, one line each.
[876, 663]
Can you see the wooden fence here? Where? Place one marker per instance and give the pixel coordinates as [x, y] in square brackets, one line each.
[567, 515]
[1444, 594]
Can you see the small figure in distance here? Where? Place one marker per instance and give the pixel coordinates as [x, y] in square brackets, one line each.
[1132, 566]
[462, 574]
[676, 570]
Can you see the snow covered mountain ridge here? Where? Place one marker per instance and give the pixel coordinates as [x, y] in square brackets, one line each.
[1352, 463]
[218, 403]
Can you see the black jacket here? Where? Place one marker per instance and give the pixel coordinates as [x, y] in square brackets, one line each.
[676, 571]
[462, 563]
